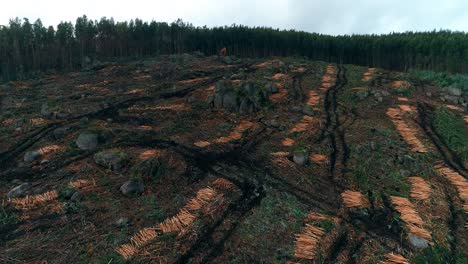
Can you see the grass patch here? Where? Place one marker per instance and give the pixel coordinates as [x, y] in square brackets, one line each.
[276, 220]
[438, 255]
[453, 131]
[442, 79]
[7, 218]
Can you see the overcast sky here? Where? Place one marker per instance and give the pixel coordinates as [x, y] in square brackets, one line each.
[322, 16]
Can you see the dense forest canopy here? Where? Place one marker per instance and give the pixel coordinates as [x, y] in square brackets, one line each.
[27, 48]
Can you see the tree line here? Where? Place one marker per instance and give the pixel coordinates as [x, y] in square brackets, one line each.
[29, 48]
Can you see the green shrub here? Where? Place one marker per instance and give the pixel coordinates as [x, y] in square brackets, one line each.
[452, 129]
[437, 255]
[442, 79]
[7, 218]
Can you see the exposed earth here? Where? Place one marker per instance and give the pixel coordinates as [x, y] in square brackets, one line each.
[194, 159]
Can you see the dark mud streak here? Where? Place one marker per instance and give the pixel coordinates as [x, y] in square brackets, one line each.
[334, 131]
[426, 113]
[455, 224]
[205, 249]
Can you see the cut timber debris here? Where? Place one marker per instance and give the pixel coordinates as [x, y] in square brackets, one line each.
[458, 181]
[307, 242]
[413, 221]
[354, 199]
[420, 190]
[236, 134]
[313, 217]
[407, 133]
[223, 184]
[305, 124]
[318, 158]
[391, 258]
[34, 200]
[127, 250]
[178, 223]
[369, 74]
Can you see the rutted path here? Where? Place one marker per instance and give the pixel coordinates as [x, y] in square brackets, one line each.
[333, 130]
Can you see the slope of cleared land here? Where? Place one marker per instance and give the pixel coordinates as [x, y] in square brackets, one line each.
[193, 159]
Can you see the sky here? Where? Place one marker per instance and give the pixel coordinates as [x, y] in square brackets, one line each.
[335, 17]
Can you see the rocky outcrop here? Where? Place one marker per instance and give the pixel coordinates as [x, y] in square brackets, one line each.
[111, 159]
[247, 98]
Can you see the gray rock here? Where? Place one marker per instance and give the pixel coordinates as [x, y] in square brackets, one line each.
[19, 191]
[68, 193]
[405, 173]
[451, 99]
[417, 242]
[122, 222]
[296, 108]
[230, 100]
[77, 197]
[31, 156]
[87, 141]
[218, 100]
[45, 110]
[84, 121]
[210, 100]
[307, 110]
[19, 122]
[111, 159]
[132, 187]
[61, 115]
[273, 123]
[272, 88]
[379, 99]
[300, 157]
[362, 94]
[60, 132]
[372, 146]
[191, 99]
[454, 91]
[384, 93]
[246, 106]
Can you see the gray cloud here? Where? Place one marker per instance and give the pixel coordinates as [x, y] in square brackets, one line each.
[323, 16]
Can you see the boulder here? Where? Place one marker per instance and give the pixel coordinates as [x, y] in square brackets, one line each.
[60, 132]
[45, 110]
[451, 99]
[362, 94]
[68, 193]
[87, 141]
[307, 110]
[246, 106]
[122, 222]
[230, 100]
[111, 159]
[19, 122]
[31, 156]
[272, 88]
[132, 187]
[454, 91]
[77, 197]
[418, 242]
[300, 157]
[19, 191]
